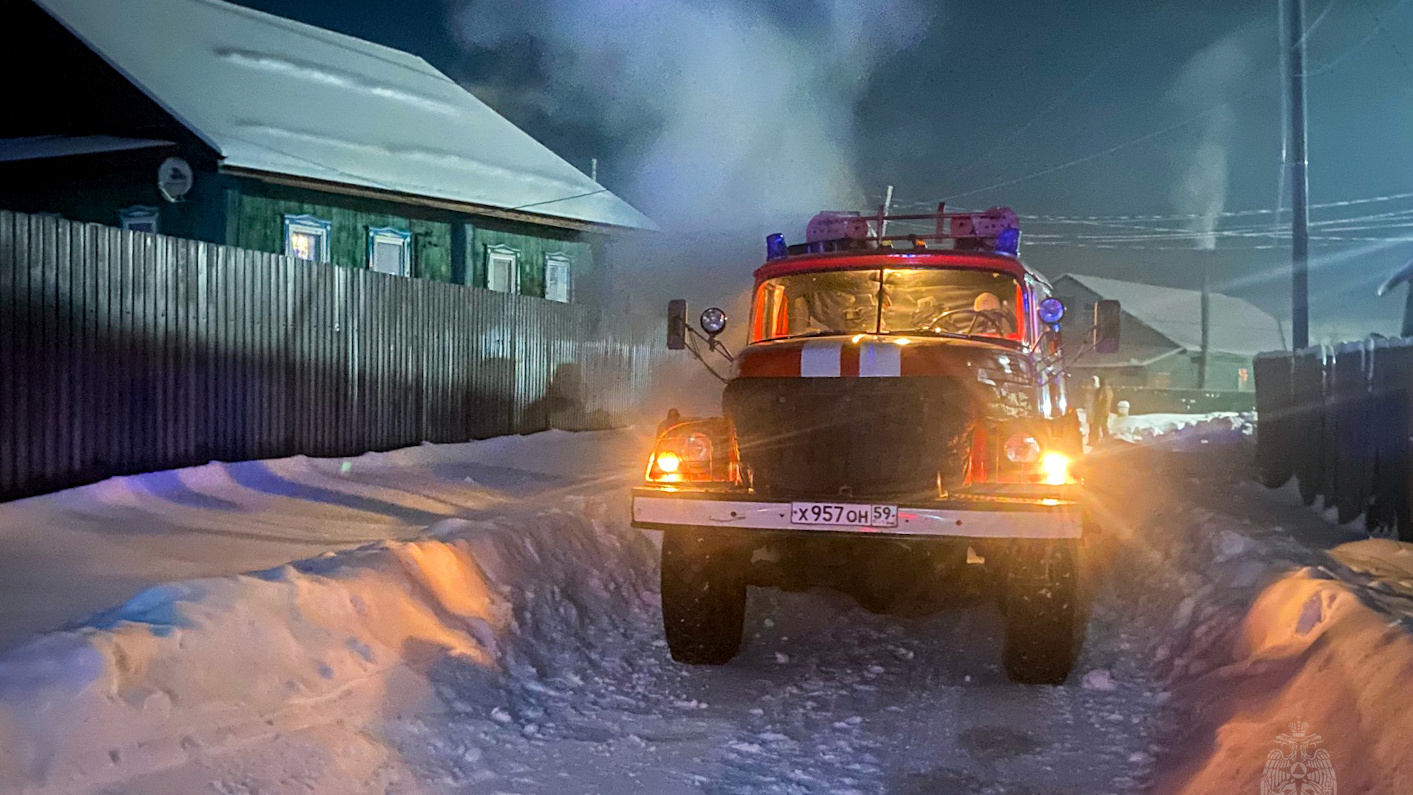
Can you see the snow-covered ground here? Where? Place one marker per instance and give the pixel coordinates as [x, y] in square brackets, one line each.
[480, 619]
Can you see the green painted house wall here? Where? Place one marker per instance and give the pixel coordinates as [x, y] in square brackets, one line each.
[446, 246]
[531, 248]
[258, 223]
[248, 213]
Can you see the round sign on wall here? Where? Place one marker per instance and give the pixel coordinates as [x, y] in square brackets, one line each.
[174, 178]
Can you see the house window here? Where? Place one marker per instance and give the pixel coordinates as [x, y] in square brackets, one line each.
[390, 251]
[502, 269]
[307, 237]
[139, 218]
[558, 277]
[1161, 380]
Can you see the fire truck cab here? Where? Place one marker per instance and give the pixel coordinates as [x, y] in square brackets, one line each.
[900, 409]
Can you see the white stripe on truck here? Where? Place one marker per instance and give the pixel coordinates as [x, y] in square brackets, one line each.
[821, 359]
[880, 360]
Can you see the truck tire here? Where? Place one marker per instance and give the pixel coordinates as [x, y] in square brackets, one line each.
[1044, 612]
[703, 595]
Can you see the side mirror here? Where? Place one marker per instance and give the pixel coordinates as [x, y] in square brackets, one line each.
[713, 321]
[676, 324]
[1106, 326]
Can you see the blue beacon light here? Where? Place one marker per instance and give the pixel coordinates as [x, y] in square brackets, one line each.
[1008, 242]
[775, 247]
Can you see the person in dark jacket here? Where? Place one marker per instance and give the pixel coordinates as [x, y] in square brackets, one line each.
[1100, 407]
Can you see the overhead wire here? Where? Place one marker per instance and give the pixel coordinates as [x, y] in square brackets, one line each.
[1388, 37]
[1110, 150]
[1064, 96]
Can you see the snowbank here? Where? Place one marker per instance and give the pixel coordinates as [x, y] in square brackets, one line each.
[1183, 431]
[316, 650]
[66, 555]
[1263, 631]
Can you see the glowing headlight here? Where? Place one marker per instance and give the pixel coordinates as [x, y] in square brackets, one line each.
[668, 461]
[1055, 468]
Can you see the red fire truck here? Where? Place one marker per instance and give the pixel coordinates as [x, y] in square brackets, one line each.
[900, 409]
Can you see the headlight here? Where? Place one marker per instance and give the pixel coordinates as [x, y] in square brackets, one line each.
[1022, 448]
[702, 451]
[1055, 468]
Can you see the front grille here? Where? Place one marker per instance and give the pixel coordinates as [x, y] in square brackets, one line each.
[832, 438]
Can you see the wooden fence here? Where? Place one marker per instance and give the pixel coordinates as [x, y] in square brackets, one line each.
[1337, 420]
[124, 352]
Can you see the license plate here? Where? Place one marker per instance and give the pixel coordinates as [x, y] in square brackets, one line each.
[837, 513]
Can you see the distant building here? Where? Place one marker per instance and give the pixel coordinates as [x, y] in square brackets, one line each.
[278, 136]
[1161, 329]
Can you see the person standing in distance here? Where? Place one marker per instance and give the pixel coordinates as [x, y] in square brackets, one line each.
[1100, 407]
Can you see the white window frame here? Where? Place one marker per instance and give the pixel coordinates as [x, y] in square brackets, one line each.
[500, 253]
[140, 218]
[391, 235]
[560, 260]
[308, 225]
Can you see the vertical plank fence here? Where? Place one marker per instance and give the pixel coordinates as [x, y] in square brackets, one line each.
[126, 352]
[1338, 420]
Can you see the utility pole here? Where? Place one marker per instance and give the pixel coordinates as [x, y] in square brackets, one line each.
[1206, 312]
[1299, 182]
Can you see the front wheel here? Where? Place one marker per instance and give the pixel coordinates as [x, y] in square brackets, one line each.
[1045, 616]
[703, 595]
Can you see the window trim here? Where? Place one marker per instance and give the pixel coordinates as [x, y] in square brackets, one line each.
[567, 260]
[308, 225]
[501, 250]
[129, 217]
[391, 234]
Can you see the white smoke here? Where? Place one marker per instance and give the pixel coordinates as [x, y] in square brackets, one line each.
[743, 110]
[1207, 79]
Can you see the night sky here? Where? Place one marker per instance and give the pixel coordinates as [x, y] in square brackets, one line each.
[969, 94]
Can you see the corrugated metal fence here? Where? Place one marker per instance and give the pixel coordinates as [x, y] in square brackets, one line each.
[124, 352]
[1337, 420]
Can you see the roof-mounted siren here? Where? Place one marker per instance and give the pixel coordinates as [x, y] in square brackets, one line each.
[834, 226]
[996, 229]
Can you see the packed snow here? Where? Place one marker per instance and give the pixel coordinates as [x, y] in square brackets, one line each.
[479, 618]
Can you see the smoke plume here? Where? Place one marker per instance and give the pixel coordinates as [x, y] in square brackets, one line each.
[722, 120]
[1207, 79]
[734, 116]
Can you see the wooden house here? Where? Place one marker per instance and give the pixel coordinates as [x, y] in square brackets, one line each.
[1162, 332]
[211, 121]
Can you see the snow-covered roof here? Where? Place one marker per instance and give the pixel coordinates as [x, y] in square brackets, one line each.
[273, 95]
[37, 147]
[1236, 326]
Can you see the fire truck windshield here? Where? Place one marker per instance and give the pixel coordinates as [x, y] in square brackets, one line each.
[914, 301]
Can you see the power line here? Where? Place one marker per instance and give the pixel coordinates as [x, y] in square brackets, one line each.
[1064, 96]
[561, 199]
[1111, 150]
[1331, 64]
[1388, 37]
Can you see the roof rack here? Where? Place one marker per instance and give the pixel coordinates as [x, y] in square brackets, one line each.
[996, 229]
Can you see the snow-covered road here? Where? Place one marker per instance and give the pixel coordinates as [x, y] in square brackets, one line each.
[510, 643]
